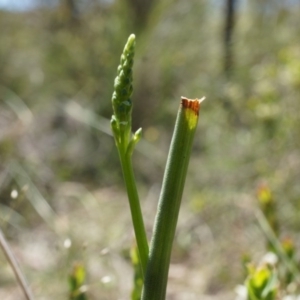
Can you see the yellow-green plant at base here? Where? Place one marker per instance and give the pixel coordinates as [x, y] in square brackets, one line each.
[262, 283]
[76, 283]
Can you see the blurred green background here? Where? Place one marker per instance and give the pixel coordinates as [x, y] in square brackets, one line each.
[62, 198]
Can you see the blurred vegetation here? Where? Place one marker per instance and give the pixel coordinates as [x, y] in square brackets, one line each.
[61, 187]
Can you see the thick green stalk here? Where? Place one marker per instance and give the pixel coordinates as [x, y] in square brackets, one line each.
[170, 198]
[125, 142]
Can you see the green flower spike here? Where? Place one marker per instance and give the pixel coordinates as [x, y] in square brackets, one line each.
[125, 142]
[121, 98]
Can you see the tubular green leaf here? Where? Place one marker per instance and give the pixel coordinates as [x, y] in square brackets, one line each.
[170, 199]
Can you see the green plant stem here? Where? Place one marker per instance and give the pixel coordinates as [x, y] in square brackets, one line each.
[135, 208]
[169, 203]
[125, 142]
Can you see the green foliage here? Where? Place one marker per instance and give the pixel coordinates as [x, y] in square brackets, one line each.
[284, 249]
[278, 274]
[154, 264]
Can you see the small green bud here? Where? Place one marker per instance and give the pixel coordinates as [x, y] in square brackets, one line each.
[137, 135]
[135, 139]
[114, 126]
